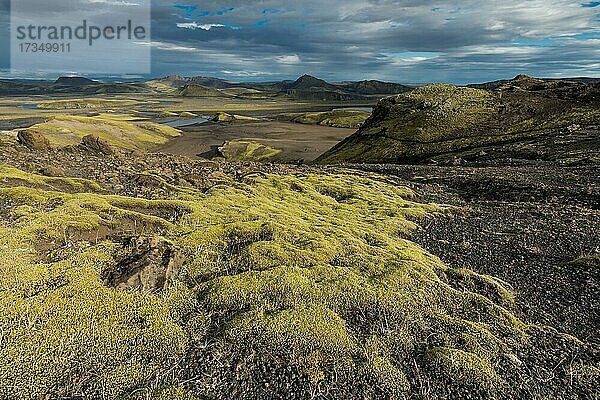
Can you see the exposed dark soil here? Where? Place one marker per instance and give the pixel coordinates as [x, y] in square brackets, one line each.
[525, 224]
[19, 123]
[298, 141]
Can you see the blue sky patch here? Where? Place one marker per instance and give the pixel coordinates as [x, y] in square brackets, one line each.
[527, 42]
[188, 9]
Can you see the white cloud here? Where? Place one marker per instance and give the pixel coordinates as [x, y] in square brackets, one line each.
[169, 46]
[288, 59]
[498, 50]
[195, 25]
[247, 74]
[114, 2]
[400, 40]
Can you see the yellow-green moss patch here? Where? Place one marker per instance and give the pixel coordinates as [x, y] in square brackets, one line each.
[239, 150]
[66, 130]
[308, 271]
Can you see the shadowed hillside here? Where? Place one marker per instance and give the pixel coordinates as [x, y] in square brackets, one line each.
[523, 118]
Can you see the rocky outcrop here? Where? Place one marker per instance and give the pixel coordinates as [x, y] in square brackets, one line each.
[144, 264]
[96, 144]
[52, 171]
[33, 140]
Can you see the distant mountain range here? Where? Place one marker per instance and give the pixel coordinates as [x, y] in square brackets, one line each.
[304, 88]
[68, 85]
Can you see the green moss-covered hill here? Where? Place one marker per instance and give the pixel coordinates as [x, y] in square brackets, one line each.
[200, 91]
[337, 118]
[120, 131]
[278, 282]
[522, 118]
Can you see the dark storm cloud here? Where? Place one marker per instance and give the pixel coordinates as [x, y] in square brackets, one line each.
[400, 40]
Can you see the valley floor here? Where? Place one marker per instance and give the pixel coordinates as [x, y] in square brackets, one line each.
[298, 141]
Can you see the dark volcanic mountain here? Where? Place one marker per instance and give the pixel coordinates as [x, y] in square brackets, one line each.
[67, 85]
[74, 81]
[524, 118]
[178, 81]
[8, 87]
[310, 83]
[376, 87]
[304, 88]
[214, 83]
[310, 88]
[195, 90]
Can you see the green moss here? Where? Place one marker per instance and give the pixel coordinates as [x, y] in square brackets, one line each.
[13, 177]
[45, 215]
[464, 367]
[339, 119]
[307, 271]
[64, 333]
[441, 121]
[200, 91]
[379, 366]
[239, 150]
[321, 256]
[63, 130]
[442, 112]
[313, 337]
[225, 117]
[486, 285]
[591, 260]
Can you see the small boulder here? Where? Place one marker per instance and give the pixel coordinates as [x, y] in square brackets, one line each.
[144, 264]
[52, 171]
[33, 140]
[96, 144]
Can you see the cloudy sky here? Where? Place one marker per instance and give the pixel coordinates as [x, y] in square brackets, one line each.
[396, 40]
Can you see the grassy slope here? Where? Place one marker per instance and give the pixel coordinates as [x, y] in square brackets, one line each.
[439, 119]
[120, 131]
[225, 117]
[240, 150]
[307, 271]
[93, 103]
[338, 119]
[200, 91]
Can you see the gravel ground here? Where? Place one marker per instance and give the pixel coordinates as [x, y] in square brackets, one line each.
[525, 224]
